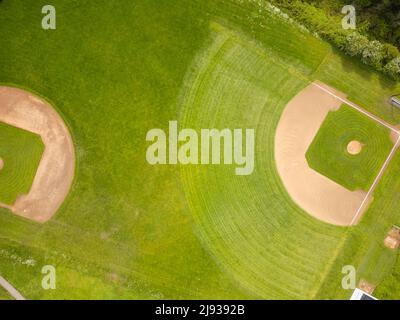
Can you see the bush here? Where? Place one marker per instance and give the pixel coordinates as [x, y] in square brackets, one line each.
[355, 44]
[373, 54]
[390, 52]
[339, 39]
[393, 68]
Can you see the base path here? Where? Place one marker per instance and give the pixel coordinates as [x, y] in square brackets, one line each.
[10, 289]
[318, 195]
[55, 173]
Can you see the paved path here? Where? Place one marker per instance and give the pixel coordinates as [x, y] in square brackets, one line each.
[10, 289]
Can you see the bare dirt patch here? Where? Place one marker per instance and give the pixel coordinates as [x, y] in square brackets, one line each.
[392, 241]
[1, 164]
[316, 194]
[366, 286]
[55, 173]
[354, 147]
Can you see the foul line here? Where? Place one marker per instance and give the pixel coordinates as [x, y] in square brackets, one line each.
[351, 104]
[10, 289]
[388, 159]
[377, 179]
[6, 206]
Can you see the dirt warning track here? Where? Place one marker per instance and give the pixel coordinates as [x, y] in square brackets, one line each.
[316, 194]
[55, 173]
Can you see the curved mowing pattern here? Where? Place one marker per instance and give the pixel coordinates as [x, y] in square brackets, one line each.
[249, 224]
[21, 151]
[328, 152]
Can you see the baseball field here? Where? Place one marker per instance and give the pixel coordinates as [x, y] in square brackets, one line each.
[127, 229]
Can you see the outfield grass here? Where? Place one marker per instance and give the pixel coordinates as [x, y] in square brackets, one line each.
[21, 152]
[328, 152]
[131, 230]
[4, 295]
[390, 287]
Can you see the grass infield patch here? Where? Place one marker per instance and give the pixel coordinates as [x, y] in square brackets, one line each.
[21, 152]
[328, 152]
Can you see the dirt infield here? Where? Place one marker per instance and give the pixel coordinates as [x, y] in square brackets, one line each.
[316, 194]
[354, 147]
[55, 173]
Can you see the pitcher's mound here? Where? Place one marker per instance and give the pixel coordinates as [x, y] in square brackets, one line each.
[354, 147]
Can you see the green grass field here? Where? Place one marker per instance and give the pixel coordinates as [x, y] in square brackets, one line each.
[21, 152]
[4, 295]
[131, 230]
[328, 152]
